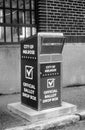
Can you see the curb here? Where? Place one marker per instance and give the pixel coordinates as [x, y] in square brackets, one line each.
[53, 123]
[50, 123]
[81, 115]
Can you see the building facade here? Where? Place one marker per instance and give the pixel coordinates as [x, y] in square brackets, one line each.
[23, 18]
[20, 19]
[67, 16]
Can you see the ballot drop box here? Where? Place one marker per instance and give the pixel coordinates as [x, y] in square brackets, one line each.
[41, 70]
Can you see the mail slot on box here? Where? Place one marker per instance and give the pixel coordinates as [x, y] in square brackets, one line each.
[51, 45]
[41, 70]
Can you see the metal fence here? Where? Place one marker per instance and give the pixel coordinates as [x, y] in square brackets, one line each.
[17, 20]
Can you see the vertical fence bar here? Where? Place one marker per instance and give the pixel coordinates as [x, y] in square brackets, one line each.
[18, 20]
[11, 21]
[4, 19]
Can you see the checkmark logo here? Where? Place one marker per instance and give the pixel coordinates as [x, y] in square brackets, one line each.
[50, 83]
[29, 72]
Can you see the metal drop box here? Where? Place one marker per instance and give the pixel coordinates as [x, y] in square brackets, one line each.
[41, 70]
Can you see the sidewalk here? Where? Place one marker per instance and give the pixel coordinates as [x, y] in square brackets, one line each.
[73, 95]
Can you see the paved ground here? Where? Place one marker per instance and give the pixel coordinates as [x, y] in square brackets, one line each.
[8, 119]
[74, 95]
[79, 126]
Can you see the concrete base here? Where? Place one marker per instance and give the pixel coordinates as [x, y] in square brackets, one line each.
[36, 116]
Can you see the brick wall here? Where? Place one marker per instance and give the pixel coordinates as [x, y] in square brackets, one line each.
[67, 16]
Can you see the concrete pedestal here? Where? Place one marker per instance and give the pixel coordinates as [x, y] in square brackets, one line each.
[36, 116]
